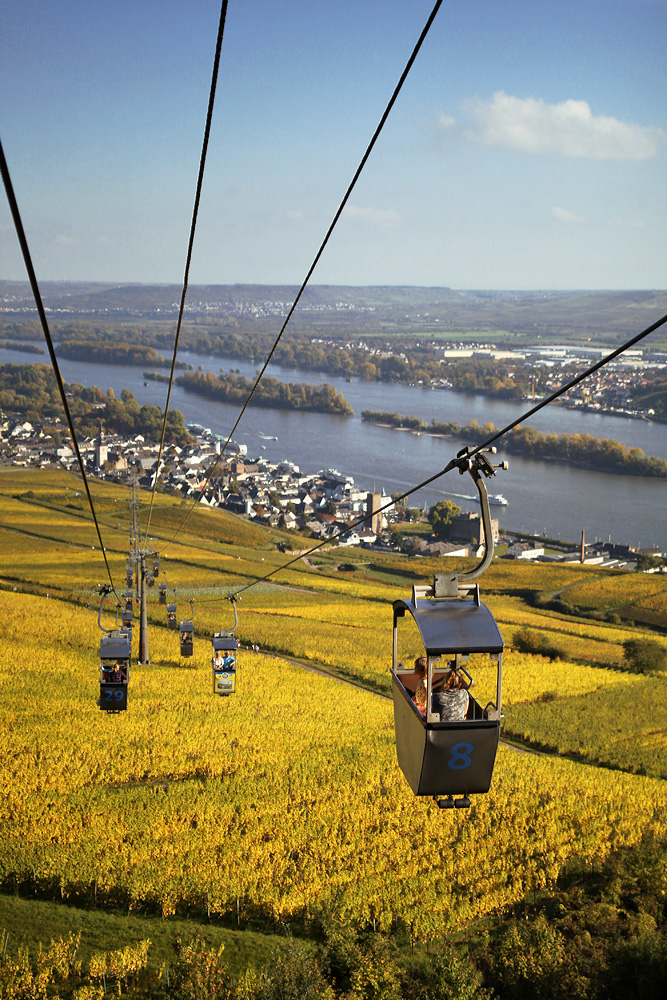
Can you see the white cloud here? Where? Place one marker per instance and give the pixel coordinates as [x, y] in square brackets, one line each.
[379, 218]
[570, 129]
[445, 122]
[294, 214]
[563, 215]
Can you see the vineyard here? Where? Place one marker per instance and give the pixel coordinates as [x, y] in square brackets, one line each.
[286, 800]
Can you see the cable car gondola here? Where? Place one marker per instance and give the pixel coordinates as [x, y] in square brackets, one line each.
[171, 617]
[223, 659]
[127, 614]
[156, 566]
[162, 587]
[129, 575]
[187, 633]
[115, 656]
[150, 580]
[448, 758]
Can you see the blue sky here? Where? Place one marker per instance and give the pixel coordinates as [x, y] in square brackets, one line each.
[527, 149]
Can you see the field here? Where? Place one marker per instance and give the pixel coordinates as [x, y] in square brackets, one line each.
[286, 800]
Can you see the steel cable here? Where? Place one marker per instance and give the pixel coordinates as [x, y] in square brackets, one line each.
[193, 225]
[457, 462]
[318, 255]
[20, 232]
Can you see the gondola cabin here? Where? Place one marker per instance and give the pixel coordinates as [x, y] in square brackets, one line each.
[440, 757]
[156, 567]
[162, 588]
[187, 635]
[127, 613]
[224, 664]
[115, 655]
[150, 580]
[128, 574]
[171, 616]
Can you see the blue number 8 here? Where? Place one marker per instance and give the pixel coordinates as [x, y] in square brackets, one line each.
[460, 756]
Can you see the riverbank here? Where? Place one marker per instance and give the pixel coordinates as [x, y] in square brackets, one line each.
[582, 451]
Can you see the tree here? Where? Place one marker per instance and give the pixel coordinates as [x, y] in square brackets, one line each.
[441, 516]
[293, 974]
[645, 655]
[646, 562]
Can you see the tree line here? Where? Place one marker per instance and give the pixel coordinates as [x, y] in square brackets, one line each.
[32, 392]
[233, 388]
[581, 450]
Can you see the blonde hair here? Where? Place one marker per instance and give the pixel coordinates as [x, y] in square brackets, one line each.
[453, 682]
[421, 665]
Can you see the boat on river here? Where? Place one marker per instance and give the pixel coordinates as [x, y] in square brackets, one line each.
[495, 498]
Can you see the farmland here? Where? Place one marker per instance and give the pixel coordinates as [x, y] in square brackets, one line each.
[285, 801]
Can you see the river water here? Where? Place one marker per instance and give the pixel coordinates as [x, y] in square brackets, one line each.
[543, 497]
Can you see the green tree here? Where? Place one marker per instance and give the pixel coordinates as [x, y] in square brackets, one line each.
[645, 561]
[451, 976]
[645, 655]
[293, 974]
[441, 516]
[198, 973]
[530, 962]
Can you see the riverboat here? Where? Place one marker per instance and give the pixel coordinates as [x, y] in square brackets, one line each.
[495, 498]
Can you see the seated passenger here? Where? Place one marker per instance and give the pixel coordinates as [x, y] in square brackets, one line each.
[218, 661]
[116, 674]
[228, 662]
[452, 702]
[421, 666]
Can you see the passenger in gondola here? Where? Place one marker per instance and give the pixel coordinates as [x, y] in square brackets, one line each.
[218, 662]
[228, 662]
[116, 674]
[451, 703]
[421, 666]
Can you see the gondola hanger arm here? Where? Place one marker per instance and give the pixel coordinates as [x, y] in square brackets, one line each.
[479, 468]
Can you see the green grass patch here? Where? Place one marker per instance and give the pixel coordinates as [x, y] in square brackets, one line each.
[30, 922]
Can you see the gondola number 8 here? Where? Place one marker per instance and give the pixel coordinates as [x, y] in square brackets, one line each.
[460, 756]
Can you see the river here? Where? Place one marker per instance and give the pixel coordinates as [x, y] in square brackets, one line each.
[543, 497]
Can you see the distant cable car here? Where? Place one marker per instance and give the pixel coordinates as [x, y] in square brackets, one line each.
[115, 656]
[187, 633]
[156, 566]
[448, 758]
[127, 614]
[150, 580]
[171, 617]
[223, 659]
[129, 575]
[162, 587]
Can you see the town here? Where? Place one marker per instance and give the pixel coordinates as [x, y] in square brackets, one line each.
[323, 505]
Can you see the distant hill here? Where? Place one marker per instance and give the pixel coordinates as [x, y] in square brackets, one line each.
[368, 310]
